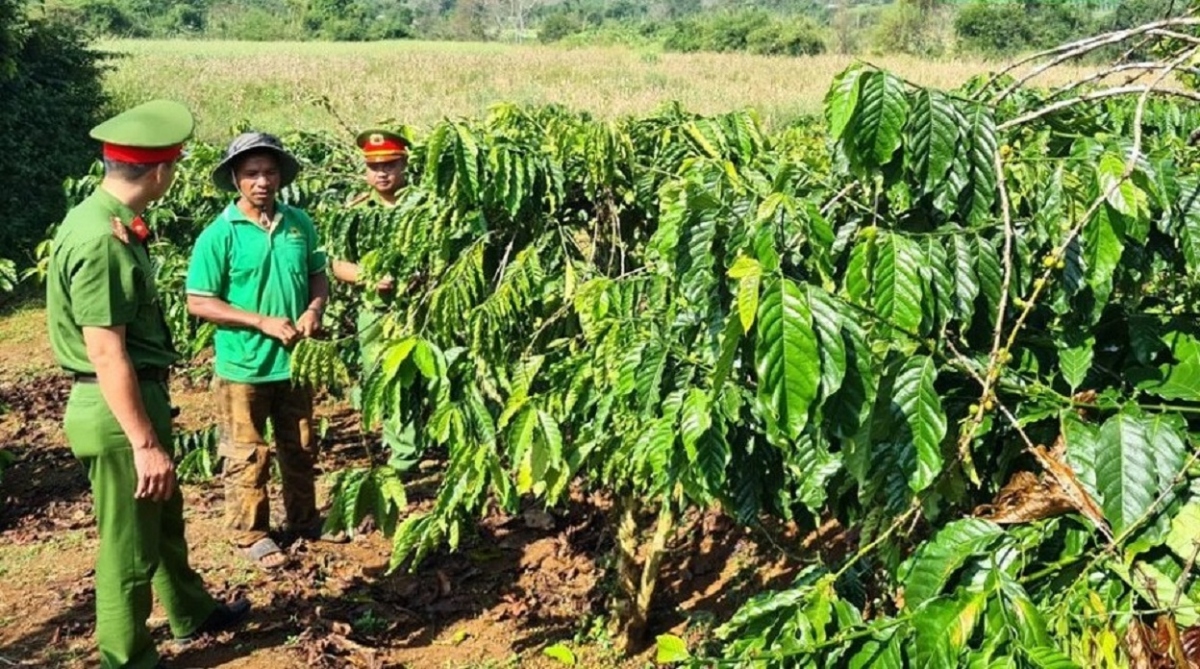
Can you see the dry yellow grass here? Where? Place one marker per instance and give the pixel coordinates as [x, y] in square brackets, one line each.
[273, 85]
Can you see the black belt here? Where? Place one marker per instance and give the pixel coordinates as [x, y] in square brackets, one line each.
[160, 374]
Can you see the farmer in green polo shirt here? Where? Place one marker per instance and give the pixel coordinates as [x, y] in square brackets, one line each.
[107, 329]
[257, 273]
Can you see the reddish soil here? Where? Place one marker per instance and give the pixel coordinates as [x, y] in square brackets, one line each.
[517, 586]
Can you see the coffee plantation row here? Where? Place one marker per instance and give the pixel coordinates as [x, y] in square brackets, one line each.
[960, 325]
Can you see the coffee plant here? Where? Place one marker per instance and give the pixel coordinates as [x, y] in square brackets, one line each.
[197, 455]
[958, 325]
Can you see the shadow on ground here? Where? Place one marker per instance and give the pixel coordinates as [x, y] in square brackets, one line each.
[45, 489]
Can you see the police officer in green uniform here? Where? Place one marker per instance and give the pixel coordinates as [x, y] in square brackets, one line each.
[386, 155]
[107, 328]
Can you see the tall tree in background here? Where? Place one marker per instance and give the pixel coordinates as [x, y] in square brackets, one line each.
[50, 95]
[510, 18]
[10, 37]
[468, 20]
[911, 26]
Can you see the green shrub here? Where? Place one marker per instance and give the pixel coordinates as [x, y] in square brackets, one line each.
[1053, 24]
[722, 32]
[232, 21]
[640, 36]
[799, 37]
[10, 38]
[356, 21]
[751, 31]
[1006, 28]
[1131, 13]
[559, 25]
[100, 17]
[907, 28]
[732, 32]
[48, 102]
[395, 24]
[685, 35]
[992, 29]
[182, 19]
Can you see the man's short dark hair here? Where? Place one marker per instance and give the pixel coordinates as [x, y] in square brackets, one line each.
[129, 171]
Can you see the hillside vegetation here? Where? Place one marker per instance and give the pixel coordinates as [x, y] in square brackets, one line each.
[775, 27]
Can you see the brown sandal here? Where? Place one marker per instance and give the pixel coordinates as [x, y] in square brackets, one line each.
[262, 549]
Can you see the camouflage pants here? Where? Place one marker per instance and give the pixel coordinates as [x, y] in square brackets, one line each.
[243, 410]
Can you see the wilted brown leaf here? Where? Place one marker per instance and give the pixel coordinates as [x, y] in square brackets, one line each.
[1162, 646]
[1026, 498]
[1139, 646]
[1083, 397]
[1064, 476]
[1173, 645]
[1170, 644]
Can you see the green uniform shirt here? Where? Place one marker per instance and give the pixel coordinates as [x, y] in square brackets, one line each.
[98, 280]
[371, 199]
[236, 260]
[368, 200]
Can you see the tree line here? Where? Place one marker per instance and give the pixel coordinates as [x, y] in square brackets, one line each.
[992, 28]
[50, 95]
[776, 27]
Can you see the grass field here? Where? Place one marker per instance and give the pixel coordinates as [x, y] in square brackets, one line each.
[274, 85]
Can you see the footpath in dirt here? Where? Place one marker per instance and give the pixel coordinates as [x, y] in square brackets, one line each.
[521, 584]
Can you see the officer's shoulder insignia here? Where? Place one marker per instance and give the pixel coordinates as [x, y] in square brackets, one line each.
[358, 200]
[119, 230]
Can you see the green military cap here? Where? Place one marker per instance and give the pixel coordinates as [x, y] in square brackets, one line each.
[148, 133]
[380, 145]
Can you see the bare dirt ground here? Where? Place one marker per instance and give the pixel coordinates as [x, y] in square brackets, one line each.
[520, 584]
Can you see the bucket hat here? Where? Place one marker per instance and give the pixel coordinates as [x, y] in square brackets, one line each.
[249, 142]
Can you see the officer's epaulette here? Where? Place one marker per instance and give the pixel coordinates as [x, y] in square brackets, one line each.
[358, 200]
[119, 230]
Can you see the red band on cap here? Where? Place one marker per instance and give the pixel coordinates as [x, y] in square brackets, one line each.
[385, 146]
[137, 154]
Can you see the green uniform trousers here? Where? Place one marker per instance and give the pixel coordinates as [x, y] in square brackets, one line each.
[141, 542]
